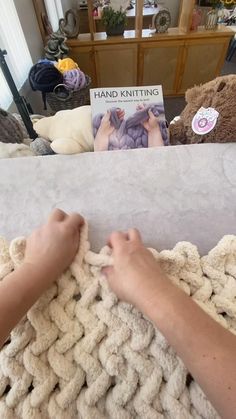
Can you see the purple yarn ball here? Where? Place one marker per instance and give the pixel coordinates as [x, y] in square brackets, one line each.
[74, 79]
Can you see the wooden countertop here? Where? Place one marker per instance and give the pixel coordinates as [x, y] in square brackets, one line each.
[130, 36]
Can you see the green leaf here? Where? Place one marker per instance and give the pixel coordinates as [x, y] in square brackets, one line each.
[113, 18]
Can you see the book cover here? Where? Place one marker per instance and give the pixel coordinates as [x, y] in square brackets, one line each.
[128, 117]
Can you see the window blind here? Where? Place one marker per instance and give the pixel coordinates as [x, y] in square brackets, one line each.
[5, 96]
[18, 56]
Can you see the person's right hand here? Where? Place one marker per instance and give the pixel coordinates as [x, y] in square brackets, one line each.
[152, 123]
[120, 113]
[136, 276]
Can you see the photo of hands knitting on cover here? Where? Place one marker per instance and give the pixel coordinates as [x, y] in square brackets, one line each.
[136, 277]
[145, 128]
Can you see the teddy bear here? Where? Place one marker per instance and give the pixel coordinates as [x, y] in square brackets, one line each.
[14, 138]
[10, 129]
[209, 116]
[70, 131]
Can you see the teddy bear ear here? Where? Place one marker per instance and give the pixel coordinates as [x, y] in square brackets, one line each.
[192, 94]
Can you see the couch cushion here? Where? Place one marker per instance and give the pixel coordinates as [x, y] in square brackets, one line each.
[171, 193]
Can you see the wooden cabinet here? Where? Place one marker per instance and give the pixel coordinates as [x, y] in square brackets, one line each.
[83, 21]
[177, 59]
[84, 56]
[203, 60]
[159, 63]
[116, 65]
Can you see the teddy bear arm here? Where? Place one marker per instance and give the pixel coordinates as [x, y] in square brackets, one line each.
[177, 132]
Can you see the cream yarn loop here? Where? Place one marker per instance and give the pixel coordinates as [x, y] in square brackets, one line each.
[81, 353]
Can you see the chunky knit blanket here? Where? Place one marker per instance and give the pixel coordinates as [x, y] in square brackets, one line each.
[81, 353]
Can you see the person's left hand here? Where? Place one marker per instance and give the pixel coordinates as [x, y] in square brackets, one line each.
[106, 128]
[51, 248]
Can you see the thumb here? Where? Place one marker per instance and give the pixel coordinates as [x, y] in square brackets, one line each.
[108, 271]
[106, 117]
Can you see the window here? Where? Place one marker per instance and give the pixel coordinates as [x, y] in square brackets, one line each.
[18, 56]
[54, 12]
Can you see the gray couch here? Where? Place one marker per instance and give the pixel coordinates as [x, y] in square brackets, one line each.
[170, 194]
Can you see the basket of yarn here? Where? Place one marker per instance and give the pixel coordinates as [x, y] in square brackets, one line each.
[74, 89]
[62, 83]
[43, 77]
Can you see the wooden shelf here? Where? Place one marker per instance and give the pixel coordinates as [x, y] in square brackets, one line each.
[139, 32]
[131, 36]
[185, 17]
[177, 59]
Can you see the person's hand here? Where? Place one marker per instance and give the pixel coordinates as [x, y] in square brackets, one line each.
[140, 107]
[51, 248]
[152, 123]
[106, 127]
[135, 277]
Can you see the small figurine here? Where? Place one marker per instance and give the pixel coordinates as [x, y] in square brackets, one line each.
[196, 19]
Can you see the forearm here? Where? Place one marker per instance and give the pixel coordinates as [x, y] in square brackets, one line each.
[207, 349]
[18, 292]
[155, 138]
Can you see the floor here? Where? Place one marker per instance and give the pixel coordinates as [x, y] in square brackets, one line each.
[174, 106]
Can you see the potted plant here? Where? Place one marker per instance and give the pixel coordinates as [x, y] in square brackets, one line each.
[114, 21]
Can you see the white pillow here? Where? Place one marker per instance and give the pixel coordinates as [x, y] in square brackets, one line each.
[70, 131]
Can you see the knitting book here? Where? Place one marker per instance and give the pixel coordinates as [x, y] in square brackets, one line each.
[128, 117]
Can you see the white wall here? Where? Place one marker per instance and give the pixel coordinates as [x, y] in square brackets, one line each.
[174, 8]
[69, 4]
[29, 23]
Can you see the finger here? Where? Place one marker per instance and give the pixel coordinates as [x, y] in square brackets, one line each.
[134, 235]
[108, 116]
[151, 114]
[57, 215]
[75, 220]
[117, 239]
